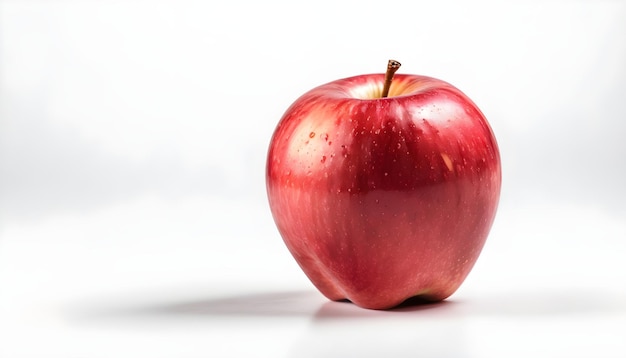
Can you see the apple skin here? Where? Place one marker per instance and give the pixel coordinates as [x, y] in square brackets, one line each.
[383, 199]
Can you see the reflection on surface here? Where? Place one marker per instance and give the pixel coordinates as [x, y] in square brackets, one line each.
[341, 329]
[445, 329]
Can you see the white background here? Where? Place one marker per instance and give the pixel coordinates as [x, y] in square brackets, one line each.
[133, 216]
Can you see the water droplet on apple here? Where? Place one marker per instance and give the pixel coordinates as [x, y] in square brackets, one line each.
[399, 145]
[311, 135]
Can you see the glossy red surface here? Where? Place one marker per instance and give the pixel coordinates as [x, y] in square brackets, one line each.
[382, 199]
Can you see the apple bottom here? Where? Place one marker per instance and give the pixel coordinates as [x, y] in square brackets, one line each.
[380, 248]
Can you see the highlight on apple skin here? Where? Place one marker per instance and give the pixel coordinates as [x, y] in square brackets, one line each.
[384, 198]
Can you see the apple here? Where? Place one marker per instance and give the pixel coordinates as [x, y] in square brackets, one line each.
[381, 197]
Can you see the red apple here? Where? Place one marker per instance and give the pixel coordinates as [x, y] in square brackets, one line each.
[380, 199]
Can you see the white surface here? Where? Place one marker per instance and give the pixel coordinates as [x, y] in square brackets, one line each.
[133, 218]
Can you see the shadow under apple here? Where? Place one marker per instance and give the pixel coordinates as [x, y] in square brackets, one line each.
[311, 304]
[254, 305]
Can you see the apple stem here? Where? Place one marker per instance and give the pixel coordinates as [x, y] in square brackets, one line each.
[392, 67]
